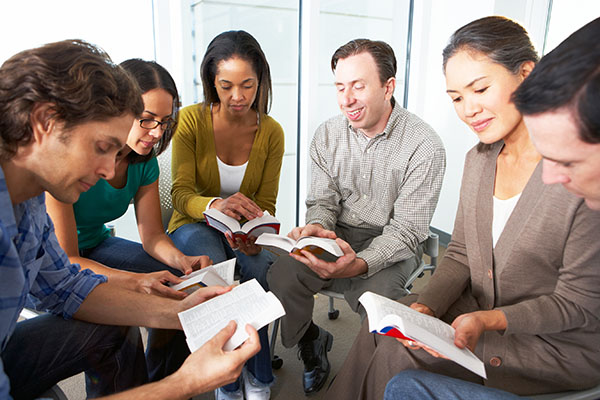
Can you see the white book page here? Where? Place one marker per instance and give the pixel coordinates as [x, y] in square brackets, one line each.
[280, 241]
[222, 222]
[326, 244]
[218, 274]
[423, 328]
[265, 219]
[247, 303]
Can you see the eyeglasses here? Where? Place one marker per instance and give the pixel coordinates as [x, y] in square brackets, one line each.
[148, 123]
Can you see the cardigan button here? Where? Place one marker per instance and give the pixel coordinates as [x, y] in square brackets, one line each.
[490, 274]
[495, 361]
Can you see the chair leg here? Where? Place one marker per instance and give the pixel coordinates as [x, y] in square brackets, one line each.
[333, 313]
[276, 362]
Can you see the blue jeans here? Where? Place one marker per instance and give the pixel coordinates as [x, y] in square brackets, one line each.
[200, 239]
[420, 384]
[163, 355]
[47, 349]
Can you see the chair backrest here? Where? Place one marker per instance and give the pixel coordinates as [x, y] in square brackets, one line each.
[164, 186]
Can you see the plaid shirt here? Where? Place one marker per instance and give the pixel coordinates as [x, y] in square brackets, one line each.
[389, 184]
[32, 262]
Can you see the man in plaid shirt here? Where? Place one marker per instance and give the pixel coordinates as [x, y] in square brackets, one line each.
[376, 176]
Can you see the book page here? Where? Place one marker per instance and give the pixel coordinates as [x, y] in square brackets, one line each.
[275, 242]
[265, 224]
[219, 274]
[220, 221]
[247, 303]
[329, 245]
[433, 332]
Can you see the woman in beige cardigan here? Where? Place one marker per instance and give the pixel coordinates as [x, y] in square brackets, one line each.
[520, 281]
[227, 154]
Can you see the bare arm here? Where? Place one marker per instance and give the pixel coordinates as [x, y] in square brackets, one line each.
[204, 370]
[154, 239]
[65, 228]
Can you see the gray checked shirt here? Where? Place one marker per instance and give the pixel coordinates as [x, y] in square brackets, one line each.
[387, 186]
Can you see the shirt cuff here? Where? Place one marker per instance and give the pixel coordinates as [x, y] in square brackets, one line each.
[212, 201]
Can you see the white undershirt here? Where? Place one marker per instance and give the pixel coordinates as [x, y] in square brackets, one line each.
[231, 177]
[502, 211]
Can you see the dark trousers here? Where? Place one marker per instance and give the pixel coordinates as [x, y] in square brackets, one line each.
[47, 349]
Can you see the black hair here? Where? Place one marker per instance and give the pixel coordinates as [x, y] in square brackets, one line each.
[568, 76]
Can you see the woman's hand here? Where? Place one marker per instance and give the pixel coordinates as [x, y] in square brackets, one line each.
[237, 206]
[247, 247]
[155, 283]
[413, 344]
[189, 264]
[469, 327]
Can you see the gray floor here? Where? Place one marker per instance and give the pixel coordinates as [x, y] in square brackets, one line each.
[288, 383]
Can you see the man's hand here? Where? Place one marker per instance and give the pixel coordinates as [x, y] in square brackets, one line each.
[311, 230]
[154, 283]
[189, 264]
[211, 367]
[237, 206]
[346, 266]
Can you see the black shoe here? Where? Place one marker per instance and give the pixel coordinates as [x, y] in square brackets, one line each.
[316, 364]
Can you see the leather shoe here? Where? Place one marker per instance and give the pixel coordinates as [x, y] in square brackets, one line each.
[316, 364]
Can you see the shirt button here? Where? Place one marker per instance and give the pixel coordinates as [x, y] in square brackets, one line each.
[368, 151]
[364, 196]
[353, 215]
[495, 361]
[490, 274]
[364, 177]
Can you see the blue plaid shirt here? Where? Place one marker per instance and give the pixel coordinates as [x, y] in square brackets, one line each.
[32, 262]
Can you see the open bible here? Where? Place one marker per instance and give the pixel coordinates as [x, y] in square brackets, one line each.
[388, 317]
[252, 228]
[324, 248]
[219, 274]
[247, 303]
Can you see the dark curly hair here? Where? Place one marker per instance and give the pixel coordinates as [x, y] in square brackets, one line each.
[78, 79]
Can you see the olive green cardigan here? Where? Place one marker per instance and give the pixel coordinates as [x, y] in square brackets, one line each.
[195, 172]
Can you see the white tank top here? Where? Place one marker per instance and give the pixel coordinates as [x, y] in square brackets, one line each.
[502, 211]
[231, 177]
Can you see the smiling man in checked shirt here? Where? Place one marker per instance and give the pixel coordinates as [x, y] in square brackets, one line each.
[376, 176]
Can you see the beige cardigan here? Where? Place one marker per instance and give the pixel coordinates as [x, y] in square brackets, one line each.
[196, 174]
[544, 274]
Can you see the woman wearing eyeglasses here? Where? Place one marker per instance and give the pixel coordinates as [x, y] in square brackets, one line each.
[80, 227]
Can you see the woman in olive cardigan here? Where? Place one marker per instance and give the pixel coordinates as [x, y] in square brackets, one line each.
[227, 154]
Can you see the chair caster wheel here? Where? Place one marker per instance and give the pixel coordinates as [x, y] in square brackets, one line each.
[276, 362]
[333, 314]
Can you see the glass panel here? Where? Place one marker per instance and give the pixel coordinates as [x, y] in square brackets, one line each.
[566, 19]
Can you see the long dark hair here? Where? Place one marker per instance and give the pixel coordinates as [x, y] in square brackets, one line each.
[243, 45]
[150, 75]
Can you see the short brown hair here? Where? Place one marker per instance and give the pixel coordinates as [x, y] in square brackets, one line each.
[78, 78]
[382, 53]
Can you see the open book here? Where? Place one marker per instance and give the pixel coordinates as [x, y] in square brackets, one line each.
[388, 317]
[247, 303]
[219, 274]
[253, 228]
[324, 248]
